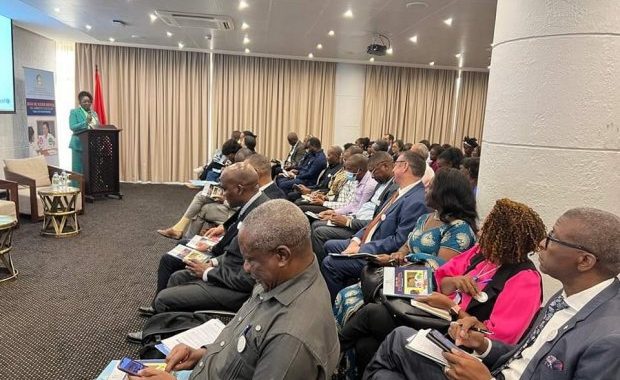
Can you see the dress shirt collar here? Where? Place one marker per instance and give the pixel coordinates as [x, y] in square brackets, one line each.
[367, 177]
[248, 203]
[288, 291]
[579, 300]
[262, 188]
[405, 189]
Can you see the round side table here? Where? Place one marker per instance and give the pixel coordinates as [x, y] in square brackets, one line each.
[60, 211]
[7, 224]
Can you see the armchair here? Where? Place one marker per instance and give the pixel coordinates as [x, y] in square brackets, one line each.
[33, 174]
[10, 206]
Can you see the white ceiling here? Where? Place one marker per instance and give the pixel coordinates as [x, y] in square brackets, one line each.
[290, 28]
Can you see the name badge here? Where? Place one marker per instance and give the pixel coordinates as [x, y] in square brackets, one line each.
[241, 344]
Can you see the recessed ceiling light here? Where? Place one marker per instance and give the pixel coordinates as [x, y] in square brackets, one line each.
[135, 36]
[448, 21]
[319, 46]
[390, 51]
[348, 13]
[168, 34]
[372, 59]
[111, 39]
[244, 26]
[459, 55]
[208, 37]
[310, 55]
[153, 17]
[243, 4]
[57, 10]
[414, 39]
[416, 4]
[246, 40]
[489, 67]
[181, 45]
[460, 63]
[88, 27]
[331, 33]
[247, 50]
[432, 63]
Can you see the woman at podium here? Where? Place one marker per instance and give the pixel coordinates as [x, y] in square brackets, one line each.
[80, 119]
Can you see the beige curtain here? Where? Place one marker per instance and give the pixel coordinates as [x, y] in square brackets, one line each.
[272, 97]
[159, 98]
[471, 106]
[411, 103]
[415, 104]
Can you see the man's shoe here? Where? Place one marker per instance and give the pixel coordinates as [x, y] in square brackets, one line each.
[146, 311]
[135, 337]
[171, 233]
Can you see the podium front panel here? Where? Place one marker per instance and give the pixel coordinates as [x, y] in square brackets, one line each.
[101, 164]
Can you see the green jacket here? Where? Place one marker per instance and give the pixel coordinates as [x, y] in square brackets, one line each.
[77, 123]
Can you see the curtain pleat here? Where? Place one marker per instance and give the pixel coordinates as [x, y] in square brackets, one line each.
[159, 98]
[415, 104]
[272, 97]
[472, 104]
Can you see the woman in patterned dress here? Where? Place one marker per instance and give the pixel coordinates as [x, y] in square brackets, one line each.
[436, 238]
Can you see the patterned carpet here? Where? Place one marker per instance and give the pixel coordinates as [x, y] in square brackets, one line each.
[67, 314]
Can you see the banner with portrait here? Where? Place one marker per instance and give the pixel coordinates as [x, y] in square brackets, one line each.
[41, 114]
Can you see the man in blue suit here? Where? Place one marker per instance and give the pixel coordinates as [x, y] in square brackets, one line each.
[308, 170]
[388, 230]
[576, 335]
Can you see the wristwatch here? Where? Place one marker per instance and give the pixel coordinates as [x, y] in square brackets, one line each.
[454, 312]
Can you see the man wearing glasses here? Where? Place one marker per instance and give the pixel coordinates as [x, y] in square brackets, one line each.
[576, 335]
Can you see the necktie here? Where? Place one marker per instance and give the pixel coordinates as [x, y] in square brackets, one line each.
[377, 219]
[555, 306]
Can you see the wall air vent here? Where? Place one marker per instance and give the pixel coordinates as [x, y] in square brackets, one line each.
[195, 20]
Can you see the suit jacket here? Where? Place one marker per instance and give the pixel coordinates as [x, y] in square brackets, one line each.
[310, 167]
[296, 154]
[229, 271]
[77, 123]
[325, 177]
[587, 345]
[391, 233]
[358, 224]
[274, 192]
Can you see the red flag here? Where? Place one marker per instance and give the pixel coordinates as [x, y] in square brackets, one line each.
[98, 104]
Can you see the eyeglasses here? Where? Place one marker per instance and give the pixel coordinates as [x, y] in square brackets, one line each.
[566, 244]
[399, 162]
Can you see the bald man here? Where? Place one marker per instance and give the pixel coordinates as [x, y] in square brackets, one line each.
[220, 283]
[286, 330]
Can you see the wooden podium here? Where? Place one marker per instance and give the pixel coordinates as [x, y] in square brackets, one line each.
[100, 162]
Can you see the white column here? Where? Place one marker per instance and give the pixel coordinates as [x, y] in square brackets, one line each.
[349, 106]
[552, 124]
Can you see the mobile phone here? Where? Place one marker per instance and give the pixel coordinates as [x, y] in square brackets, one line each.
[440, 340]
[130, 366]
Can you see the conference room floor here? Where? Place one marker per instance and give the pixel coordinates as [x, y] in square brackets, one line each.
[67, 314]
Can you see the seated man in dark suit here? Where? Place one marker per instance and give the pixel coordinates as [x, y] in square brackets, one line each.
[262, 165]
[308, 169]
[387, 231]
[336, 226]
[220, 283]
[334, 164]
[576, 335]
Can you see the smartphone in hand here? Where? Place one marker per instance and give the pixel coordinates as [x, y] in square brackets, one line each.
[441, 341]
[130, 366]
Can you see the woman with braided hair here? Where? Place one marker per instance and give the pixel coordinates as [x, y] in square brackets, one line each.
[494, 281]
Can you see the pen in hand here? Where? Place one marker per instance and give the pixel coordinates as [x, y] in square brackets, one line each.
[476, 329]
